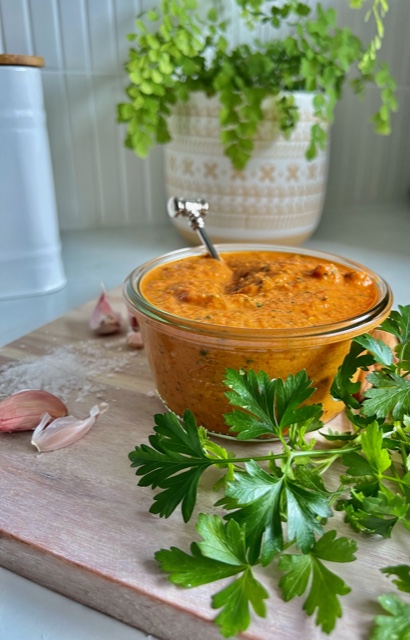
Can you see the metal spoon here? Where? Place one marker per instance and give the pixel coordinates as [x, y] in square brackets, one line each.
[193, 210]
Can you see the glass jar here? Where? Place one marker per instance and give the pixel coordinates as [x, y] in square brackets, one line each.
[189, 359]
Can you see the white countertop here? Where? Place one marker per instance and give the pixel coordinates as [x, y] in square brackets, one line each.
[377, 237]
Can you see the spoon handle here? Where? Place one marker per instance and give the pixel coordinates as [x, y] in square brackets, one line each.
[193, 210]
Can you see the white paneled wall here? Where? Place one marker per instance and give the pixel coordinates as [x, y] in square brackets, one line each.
[99, 183]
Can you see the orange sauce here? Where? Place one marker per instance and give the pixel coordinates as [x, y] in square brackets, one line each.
[248, 291]
[259, 289]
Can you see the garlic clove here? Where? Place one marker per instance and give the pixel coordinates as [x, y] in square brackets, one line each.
[134, 339]
[134, 324]
[49, 436]
[23, 410]
[104, 320]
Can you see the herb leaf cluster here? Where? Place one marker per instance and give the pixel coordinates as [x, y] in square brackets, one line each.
[176, 50]
[274, 511]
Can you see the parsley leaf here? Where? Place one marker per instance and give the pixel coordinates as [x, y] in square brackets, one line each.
[304, 508]
[222, 553]
[397, 624]
[402, 571]
[342, 387]
[378, 514]
[398, 323]
[272, 405]
[258, 494]
[235, 600]
[174, 462]
[390, 394]
[325, 586]
[280, 499]
[372, 446]
[262, 497]
[379, 349]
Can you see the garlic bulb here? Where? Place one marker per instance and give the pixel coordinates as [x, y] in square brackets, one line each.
[49, 436]
[23, 410]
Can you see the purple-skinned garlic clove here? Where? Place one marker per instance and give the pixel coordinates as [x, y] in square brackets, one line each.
[23, 410]
[104, 319]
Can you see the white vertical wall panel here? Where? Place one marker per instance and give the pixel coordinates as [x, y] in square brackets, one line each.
[85, 149]
[2, 34]
[100, 183]
[101, 28]
[74, 35]
[46, 34]
[16, 27]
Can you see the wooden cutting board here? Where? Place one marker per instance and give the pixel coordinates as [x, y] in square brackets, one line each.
[75, 521]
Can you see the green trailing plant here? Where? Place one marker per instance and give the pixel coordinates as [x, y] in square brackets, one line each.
[273, 510]
[177, 51]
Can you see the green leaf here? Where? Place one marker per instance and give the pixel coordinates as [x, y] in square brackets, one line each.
[261, 497]
[304, 508]
[328, 547]
[372, 445]
[398, 323]
[258, 494]
[378, 514]
[402, 571]
[212, 15]
[125, 112]
[223, 542]
[389, 395]
[357, 465]
[342, 387]
[235, 600]
[325, 586]
[272, 405]
[174, 462]
[220, 554]
[379, 349]
[396, 625]
[193, 570]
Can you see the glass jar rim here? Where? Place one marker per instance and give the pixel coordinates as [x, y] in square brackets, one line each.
[349, 327]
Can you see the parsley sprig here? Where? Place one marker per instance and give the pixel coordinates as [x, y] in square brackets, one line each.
[275, 508]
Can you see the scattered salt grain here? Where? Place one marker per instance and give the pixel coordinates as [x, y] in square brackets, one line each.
[64, 370]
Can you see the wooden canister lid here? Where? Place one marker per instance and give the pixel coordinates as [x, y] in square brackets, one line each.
[21, 61]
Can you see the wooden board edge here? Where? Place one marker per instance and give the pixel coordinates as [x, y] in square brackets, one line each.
[131, 606]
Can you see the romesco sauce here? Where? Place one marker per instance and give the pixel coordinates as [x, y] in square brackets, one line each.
[260, 290]
[260, 309]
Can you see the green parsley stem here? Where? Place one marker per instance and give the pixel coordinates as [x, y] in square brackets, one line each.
[395, 477]
[334, 453]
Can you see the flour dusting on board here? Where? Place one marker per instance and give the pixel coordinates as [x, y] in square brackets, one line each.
[66, 369]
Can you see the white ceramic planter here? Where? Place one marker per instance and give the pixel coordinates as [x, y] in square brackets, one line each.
[278, 198]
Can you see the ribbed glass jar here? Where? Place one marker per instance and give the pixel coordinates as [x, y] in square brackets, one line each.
[189, 359]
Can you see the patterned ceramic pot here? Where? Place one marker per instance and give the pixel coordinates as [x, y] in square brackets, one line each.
[278, 198]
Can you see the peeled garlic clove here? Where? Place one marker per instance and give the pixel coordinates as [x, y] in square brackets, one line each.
[23, 410]
[134, 339]
[104, 320]
[49, 436]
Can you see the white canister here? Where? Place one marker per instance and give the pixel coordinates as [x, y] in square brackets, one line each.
[30, 250]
